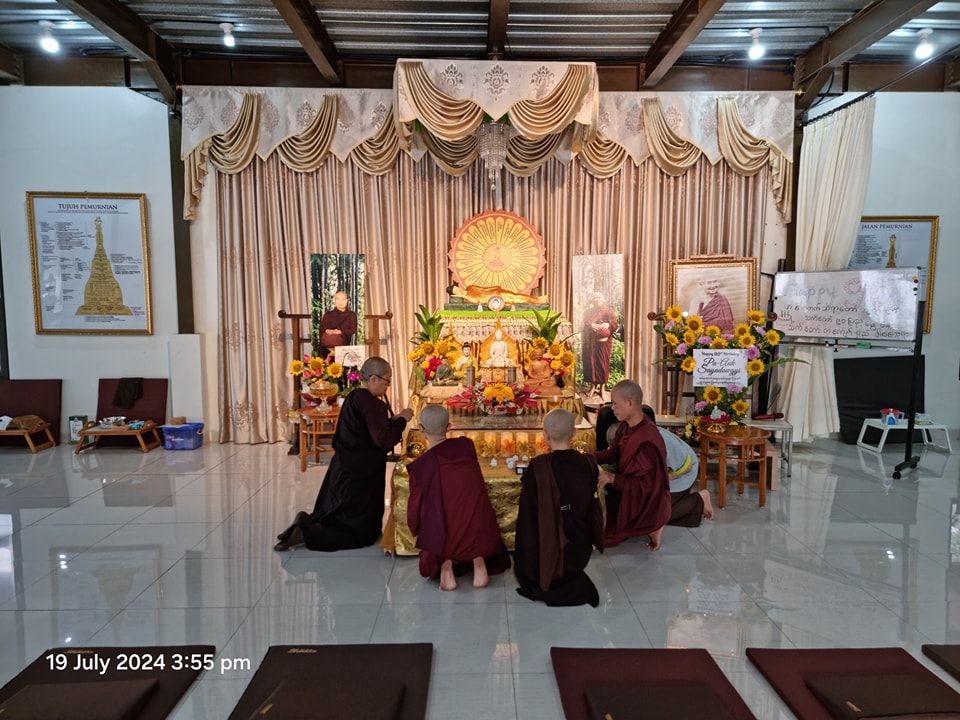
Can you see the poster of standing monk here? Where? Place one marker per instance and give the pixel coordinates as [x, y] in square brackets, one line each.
[598, 322]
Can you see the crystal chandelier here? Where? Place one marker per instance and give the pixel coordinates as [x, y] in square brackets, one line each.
[493, 138]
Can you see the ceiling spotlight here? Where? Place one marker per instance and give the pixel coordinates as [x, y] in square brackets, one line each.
[756, 49]
[228, 39]
[924, 49]
[47, 41]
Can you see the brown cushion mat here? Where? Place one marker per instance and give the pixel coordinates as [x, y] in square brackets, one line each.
[368, 698]
[142, 664]
[656, 702]
[101, 700]
[787, 671]
[855, 697]
[577, 669]
[390, 665]
[946, 656]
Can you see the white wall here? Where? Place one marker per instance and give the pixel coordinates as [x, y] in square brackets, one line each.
[75, 140]
[916, 171]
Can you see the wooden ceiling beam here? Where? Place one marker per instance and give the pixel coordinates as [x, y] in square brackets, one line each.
[307, 27]
[124, 27]
[497, 29]
[682, 29]
[873, 23]
[11, 65]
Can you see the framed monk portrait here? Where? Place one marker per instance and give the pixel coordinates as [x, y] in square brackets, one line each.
[721, 289]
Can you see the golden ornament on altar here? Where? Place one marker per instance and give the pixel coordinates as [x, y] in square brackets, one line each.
[322, 389]
[497, 249]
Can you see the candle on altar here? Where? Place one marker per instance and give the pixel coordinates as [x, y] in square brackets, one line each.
[523, 444]
[475, 439]
[542, 446]
[507, 445]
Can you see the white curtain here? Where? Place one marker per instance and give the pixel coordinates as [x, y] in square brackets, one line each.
[834, 169]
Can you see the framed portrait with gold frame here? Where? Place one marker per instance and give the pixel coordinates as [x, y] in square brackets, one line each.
[91, 263]
[721, 289]
[884, 242]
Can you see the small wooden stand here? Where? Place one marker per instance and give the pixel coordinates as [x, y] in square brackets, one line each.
[314, 425]
[91, 433]
[26, 435]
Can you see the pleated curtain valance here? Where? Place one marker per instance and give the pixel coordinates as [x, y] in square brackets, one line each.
[436, 106]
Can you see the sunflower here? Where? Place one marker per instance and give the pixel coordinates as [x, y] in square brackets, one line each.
[315, 364]
[567, 357]
[695, 323]
[756, 367]
[741, 329]
[712, 394]
[427, 347]
[296, 367]
[674, 313]
[747, 340]
[740, 407]
[335, 370]
[773, 337]
[718, 343]
[556, 365]
[451, 357]
[555, 349]
[688, 365]
[540, 343]
[690, 337]
[414, 355]
[756, 317]
[672, 339]
[712, 331]
[442, 348]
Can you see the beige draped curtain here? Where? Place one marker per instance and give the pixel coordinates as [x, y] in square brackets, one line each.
[834, 169]
[401, 212]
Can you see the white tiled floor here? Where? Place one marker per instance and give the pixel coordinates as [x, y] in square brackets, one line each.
[122, 548]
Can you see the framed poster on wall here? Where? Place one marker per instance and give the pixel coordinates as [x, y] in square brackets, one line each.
[91, 263]
[887, 242]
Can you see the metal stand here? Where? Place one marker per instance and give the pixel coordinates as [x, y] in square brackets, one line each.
[910, 460]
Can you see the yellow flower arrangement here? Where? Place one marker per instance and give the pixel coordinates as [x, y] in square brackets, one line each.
[757, 338]
[494, 398]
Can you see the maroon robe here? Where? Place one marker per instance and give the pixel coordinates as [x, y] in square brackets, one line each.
[450, 512]
[639, 501]
[717, 312]
[343, 320]
[596, 345]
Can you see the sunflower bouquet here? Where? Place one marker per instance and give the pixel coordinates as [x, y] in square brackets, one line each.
[494, 398]
[682, 334]
[319, 378]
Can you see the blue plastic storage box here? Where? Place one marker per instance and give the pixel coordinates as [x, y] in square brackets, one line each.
[183, 437]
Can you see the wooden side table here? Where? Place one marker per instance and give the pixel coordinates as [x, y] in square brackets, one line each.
[90, 435]
[315, 425]
[740, 444]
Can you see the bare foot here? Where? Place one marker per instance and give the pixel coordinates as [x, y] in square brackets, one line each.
[447, 580]
[654, 543]
[707, 504]
[480, 577]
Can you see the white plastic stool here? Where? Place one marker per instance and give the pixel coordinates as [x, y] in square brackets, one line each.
[924, 429]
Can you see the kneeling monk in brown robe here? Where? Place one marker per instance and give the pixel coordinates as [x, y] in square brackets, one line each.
[638, 498]
[560, 520]
[449, 510]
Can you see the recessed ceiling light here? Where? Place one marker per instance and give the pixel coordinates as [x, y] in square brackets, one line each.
[47, 41]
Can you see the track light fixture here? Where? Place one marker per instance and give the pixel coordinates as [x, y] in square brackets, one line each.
[47, 41]
[228, 39]
[756, 49]
[924, 49]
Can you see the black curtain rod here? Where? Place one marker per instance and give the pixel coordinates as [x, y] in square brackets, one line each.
[873, 92]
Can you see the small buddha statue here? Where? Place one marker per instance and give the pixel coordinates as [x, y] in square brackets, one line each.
[464, 361]
[444, 374]
[499, 351]
[540, 377]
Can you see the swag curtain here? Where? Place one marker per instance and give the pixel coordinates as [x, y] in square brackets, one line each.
[269, 217]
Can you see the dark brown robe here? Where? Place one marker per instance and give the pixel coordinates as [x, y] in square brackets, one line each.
[349, 509]
[595, 353]
[343, 320]
[450, 512]
[559, 522]
[638, 502]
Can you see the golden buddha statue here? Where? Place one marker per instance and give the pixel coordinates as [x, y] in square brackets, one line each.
[482, 293]
[540, 377]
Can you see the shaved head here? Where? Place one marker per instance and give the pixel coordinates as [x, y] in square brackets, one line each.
[559, 425]
[629, 390]
[434, 420]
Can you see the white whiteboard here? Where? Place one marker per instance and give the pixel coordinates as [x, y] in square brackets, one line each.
[876, 304]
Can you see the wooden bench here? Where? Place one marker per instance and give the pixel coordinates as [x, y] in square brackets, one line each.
[151, 407]
[32, 397]
[93, 432]
[27, 435]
